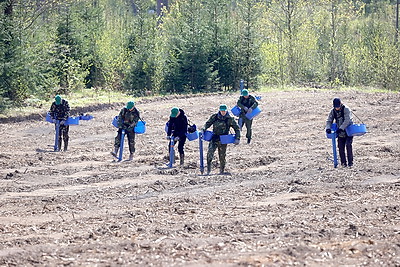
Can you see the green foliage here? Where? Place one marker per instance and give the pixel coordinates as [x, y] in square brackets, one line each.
[187, 68]
[49, 46]
[140, 72]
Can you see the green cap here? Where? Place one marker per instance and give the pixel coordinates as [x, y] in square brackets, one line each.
[223, 107]
[245, 92]
[130, 105]
[58, 99]
[174, 112]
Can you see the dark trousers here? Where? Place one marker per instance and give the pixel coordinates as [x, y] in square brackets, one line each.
[131, 140]
[63, 135]
[243, 120]
[181, 144]
[346, 143]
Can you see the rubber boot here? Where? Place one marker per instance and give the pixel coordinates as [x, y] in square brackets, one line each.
[115, 152]
[182, 159]
[221, 170]
[248, 140]
[59, 145]
[65, 145]
[208, 169]
[130, 157]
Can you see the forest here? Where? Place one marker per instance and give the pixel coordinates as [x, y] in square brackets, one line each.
[149, 47]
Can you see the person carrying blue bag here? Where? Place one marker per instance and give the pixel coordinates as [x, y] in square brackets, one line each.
[177, 128]
[343, 118]
[127, 119]
[247, 103]
[221, 123]
[60, 111]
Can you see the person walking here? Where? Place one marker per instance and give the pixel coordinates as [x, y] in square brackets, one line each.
[177, 128]
[221, 123]
[343, 118]
[60, 111]
[127, 120]
[246, 103]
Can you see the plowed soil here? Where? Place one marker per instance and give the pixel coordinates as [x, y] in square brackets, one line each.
[282, 204]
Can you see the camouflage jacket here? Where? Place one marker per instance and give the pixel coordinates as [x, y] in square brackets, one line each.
[127, 119]
[249, 102]
[60, 112]
[221, 124]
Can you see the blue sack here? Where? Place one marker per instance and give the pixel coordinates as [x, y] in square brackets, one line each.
[140, 127]
[86, 117]
[207, 136]
[356, 129]
[115, 122]
[166, 127]
[72, 121]
[192, 136]
[227, 139]
[48, 118]
[254, 113]
[235, 111]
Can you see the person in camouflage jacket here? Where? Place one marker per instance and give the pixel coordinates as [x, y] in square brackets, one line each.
[221, 123]
[127, 120]
[60, 111]
[246, 103]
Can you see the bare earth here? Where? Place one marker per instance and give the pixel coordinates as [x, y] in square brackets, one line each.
[283, 204]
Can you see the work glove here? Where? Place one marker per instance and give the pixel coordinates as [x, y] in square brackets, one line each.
[62, 122]
[176, 139]
[250, 110]
[246, 109]
[168, 137]
[328, 131]
[341, 133]
[237, 141]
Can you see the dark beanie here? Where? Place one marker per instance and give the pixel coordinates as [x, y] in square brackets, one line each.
[336, 103]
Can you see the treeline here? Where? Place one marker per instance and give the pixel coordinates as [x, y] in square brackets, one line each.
[50, 46]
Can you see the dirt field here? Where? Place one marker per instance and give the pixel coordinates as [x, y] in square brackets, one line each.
[283, 204]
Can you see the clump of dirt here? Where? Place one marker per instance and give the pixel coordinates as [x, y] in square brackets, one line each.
[281, 202]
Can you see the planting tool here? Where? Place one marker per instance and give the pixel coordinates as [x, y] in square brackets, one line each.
[121, 145]
[335, 160]
[171, 152]
[201, 152]
[56, 148]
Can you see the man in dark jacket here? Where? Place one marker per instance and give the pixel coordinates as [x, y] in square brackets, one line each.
[246, 103]
[221, 123]
[59, 111]
[127, 120]
[177, 128]
[343, 117]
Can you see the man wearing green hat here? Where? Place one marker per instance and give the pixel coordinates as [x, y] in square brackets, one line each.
[127, 120]
[221, 123]
[177, 127]
[246, 103]
[59, 111]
